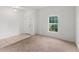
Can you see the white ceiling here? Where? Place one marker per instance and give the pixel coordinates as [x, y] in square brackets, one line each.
[34, 7]
[28, 7]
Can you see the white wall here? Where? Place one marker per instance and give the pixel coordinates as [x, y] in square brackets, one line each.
[66, 28]
[77, 26]
[12, 22]
[9, 22]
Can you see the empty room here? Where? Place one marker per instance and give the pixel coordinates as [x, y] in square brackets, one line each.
[39, 29]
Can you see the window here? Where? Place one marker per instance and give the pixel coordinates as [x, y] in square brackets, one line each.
[53, 23]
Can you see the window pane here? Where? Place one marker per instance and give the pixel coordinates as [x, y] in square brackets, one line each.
[52, 19]
[49, 19]
[55, 19]
[51, 27]
[53, 23]
[56, 29]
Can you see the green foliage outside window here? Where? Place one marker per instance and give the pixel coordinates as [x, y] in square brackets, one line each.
[53, 23]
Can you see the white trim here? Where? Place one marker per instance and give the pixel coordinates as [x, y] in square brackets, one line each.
[57, 23]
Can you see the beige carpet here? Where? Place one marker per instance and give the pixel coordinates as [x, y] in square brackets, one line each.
[41, 44]
[13, 39]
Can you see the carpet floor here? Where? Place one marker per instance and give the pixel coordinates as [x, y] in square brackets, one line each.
[39, 43]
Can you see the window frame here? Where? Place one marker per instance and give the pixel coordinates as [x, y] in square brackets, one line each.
[54, 23]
